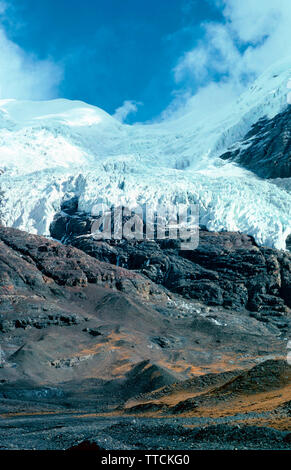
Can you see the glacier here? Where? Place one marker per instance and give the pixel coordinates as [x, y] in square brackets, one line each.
[53, 150]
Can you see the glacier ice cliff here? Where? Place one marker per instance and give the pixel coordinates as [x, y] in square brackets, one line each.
[59, 149]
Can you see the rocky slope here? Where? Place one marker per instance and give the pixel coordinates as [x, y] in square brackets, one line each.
[224, 394]
[78, 333]
[66, 316]
[266, 148]
[227, 269]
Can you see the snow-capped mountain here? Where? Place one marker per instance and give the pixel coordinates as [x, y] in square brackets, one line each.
[58, 149]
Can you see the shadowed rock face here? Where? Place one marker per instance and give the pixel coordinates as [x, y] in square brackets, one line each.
[227, 269]
[266, 148]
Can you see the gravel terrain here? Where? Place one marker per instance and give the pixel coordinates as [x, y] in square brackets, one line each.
[59, 432]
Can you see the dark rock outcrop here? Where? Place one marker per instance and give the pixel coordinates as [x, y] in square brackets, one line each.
[266, 148]
[38, 321]
[227, 269]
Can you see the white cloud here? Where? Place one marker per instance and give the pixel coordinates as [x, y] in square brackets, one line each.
[253, 35]
[253, 19]
[128, 107]
[22, 75]
[215, 54]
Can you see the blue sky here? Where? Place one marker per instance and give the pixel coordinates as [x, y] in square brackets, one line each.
[154, 57]
[112, 50]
